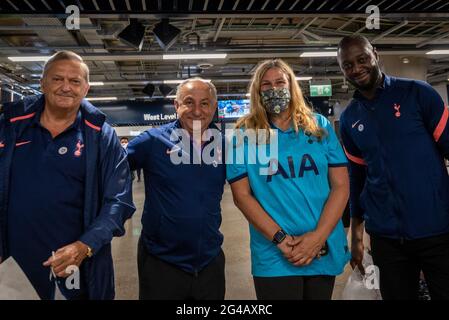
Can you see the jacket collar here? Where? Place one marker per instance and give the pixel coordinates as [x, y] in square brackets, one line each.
[35, 104]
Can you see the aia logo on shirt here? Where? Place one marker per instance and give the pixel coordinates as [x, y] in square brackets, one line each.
[307, 164]
[78, 150]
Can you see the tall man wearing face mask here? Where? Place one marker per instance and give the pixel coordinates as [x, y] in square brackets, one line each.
[396, 136]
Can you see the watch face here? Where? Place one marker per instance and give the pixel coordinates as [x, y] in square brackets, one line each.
[324, 250]
[279, 236]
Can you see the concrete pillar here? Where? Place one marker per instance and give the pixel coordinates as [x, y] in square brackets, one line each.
[415, 69]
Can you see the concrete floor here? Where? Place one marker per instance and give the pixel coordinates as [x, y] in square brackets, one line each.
[239, 284]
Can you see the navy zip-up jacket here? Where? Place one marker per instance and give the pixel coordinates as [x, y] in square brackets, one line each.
[396, 144]
[182, 214]
[108, 195]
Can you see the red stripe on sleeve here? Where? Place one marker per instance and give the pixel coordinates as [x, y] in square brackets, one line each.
[441, 125]
[354, 158]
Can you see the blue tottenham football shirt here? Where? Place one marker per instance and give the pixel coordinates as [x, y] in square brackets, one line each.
[293, 188]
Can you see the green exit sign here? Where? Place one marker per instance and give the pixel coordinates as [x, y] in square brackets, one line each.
[320, 90]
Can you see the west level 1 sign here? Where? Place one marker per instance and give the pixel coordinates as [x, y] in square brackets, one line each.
[125, 113]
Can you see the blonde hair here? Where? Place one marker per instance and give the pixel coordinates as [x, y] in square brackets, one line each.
[302, 115]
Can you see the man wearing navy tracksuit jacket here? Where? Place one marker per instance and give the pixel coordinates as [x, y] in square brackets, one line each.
[65, 185]
[179, 254]
[396, 136]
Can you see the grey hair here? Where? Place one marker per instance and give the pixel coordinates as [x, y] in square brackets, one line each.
[66, 55]
[211, 86]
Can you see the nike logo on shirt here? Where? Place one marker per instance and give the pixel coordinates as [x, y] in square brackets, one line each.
[355, 123]
[17, 144]
[22, 143]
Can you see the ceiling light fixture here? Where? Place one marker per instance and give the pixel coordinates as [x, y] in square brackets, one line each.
[165, 90]
[194, 56]
[149, 89]
[303, 78]
[166, 34]
[101, 98]
[438, 52]
[133, 34]
[313, 54]
[29, 58]
[180, 81]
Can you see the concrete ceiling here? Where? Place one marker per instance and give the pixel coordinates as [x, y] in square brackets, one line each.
[247, 30]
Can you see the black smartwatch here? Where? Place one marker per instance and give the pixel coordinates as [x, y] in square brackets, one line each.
[279, 237]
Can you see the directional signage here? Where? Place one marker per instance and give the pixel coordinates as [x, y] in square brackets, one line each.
[320, 90]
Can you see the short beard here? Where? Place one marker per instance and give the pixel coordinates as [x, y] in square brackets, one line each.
[375, 75]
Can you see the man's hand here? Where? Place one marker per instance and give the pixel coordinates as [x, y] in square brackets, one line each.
[306, 248]
[357, 249]
[285, 247]
[72, 254]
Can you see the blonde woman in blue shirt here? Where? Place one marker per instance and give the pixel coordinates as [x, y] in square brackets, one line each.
[298, 243]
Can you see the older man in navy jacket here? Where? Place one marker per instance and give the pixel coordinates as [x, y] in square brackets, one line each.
[65, 187]
[179, 255]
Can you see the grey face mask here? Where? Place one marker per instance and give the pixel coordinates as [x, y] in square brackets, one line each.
[275, 100]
